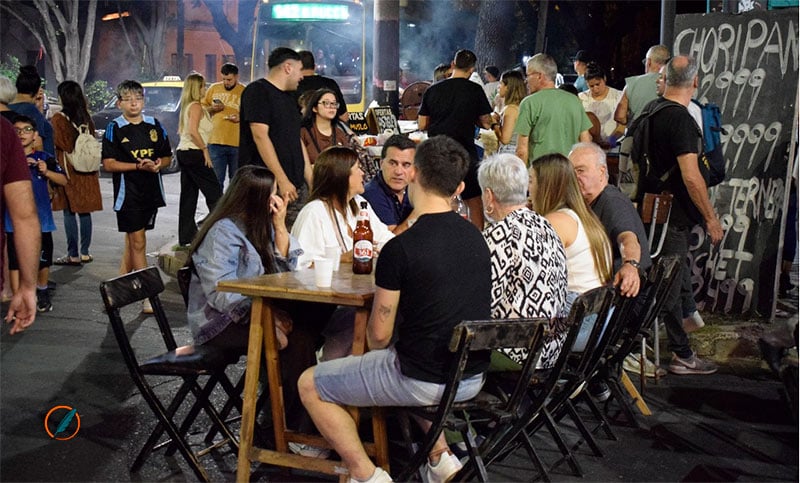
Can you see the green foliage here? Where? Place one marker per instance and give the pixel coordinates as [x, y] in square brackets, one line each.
[10, 67]
[98, 93]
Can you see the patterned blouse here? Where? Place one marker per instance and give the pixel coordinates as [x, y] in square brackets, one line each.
[529, 275]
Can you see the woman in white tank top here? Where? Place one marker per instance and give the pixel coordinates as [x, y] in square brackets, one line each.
[555, 194]
[197, 172]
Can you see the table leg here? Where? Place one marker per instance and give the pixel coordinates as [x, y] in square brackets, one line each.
[274, 378]
[250, 391]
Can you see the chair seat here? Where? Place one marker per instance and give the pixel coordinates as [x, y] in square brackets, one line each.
[188, 360]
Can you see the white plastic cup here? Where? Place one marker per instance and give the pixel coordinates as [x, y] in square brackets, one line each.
[333, 252]
[323, 272]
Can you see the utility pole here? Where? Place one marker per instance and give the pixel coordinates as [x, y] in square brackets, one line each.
[667, 23]
[386, 54]
[541, 27]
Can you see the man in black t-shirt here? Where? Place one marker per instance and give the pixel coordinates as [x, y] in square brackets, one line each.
[313, 81]
[674, 147]
[419, 292]
[454, 107]
[269, 130]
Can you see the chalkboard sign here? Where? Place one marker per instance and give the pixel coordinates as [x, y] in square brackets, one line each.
[358, 123]
[381, 119]
[748, 66]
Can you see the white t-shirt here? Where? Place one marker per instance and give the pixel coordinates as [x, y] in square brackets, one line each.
[604, 110]
[315, 230]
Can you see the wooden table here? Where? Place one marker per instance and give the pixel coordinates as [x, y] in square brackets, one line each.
[347, 289]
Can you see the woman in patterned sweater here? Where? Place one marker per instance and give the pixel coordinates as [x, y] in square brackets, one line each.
[529, 267]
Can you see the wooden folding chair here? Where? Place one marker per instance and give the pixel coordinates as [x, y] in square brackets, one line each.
[655, 211]
[187, 363]
[469, 337]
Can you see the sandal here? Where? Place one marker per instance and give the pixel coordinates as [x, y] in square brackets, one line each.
[87, 258]
[67, 261]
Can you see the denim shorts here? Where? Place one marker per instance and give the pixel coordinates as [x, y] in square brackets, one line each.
[374, 379]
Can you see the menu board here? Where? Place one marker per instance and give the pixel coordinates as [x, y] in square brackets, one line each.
[748, 66]
[358, 123]
[381, 119]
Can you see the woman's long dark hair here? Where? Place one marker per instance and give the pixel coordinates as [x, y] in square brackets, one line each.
[246, 201]
[73, 103]
[310, 116]
[332, 178]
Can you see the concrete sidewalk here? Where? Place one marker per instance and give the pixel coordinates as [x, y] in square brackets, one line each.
[731, 426]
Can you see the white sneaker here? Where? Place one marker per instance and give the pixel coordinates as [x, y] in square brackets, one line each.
[693, 322]
[444, 470]
[146, 307]
[378, 476]
[310, 451]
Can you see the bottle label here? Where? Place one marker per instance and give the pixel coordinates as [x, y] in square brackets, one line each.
[362, 251]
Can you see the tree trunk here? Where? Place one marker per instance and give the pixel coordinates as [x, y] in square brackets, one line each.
[240, 38]
[496, 27]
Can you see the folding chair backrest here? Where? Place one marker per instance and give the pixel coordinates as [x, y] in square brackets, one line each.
[478, 335]
[662, 276]
[655, 212]
[596, 304]
[184, 277]
[132, 288]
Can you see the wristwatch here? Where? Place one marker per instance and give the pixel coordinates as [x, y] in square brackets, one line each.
[635, 264]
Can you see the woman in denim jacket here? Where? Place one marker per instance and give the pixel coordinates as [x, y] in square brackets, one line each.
[238, 240]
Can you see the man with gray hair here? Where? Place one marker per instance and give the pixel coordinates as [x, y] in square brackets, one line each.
[674, 147]
[550, 120]
[616, 213]
[641, 89]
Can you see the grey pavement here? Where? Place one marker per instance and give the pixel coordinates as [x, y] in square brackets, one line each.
[731, 426]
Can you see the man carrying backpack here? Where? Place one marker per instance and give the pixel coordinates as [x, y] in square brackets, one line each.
[674, 145]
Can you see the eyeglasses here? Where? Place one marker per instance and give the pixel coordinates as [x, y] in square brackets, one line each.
[334, 105]
[644, 61]
[21, 130]
[531, 74]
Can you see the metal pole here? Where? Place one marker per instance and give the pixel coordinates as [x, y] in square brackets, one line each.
[541, 27]
[386, 54]
[668, 23]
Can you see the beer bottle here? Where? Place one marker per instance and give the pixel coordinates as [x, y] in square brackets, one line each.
[362, 242]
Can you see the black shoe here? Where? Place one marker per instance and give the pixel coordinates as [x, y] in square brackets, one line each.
[599, 390]
[43, 301]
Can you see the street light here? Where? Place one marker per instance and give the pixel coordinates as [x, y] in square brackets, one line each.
[115, 16]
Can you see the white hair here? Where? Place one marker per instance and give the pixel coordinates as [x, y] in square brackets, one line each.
[506, 175]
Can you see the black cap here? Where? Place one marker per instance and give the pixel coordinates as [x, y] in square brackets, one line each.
[582, 56]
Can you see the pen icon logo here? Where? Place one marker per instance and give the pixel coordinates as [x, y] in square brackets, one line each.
[66, 420]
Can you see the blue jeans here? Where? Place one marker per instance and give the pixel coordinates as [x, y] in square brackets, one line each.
[222, 157]
[71, 230]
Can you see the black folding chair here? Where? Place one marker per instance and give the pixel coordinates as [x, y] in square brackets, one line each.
[548, 393]
[469, 337]
[662, 276]
[187, 362]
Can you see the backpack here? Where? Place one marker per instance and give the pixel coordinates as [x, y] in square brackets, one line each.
[651, 179]
[712, 159]
[85, 156]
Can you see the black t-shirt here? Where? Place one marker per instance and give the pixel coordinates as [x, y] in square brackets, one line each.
[454, 107]
[618, 215]
[264, 103]
[441, 268]
[314, 82]
[127, 142]
[673, 133]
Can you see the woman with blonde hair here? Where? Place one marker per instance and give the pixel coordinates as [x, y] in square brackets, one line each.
[197, 171]
[556, 195]
[512, 90]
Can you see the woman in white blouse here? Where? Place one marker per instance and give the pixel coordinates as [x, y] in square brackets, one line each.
[329, 217]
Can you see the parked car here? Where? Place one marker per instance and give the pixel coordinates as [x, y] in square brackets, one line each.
[162, 100]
